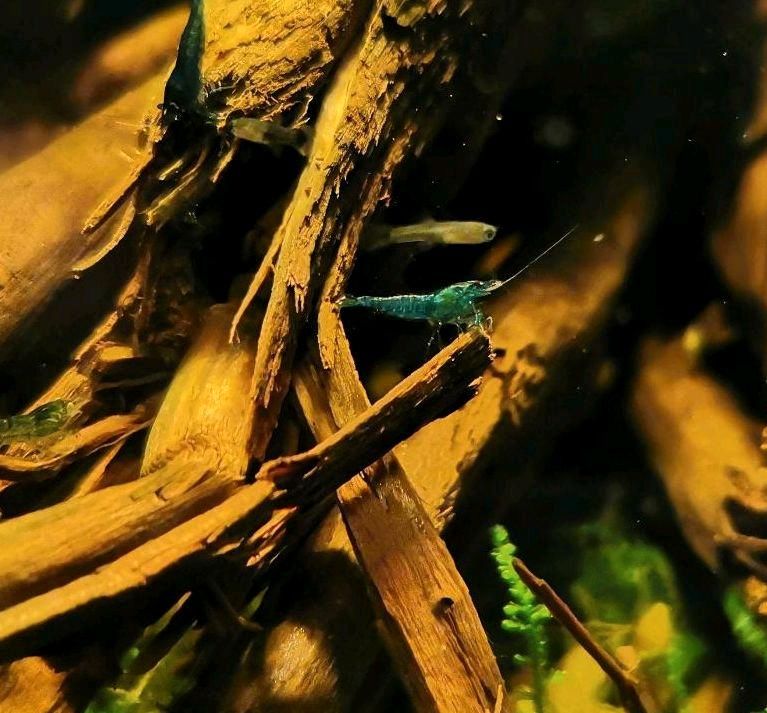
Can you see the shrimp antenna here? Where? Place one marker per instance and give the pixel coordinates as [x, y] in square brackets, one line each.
[543, 254]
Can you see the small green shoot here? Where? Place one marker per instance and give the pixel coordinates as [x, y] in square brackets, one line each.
[523, 616]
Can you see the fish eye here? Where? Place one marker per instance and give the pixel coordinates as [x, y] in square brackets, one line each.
[490, 232]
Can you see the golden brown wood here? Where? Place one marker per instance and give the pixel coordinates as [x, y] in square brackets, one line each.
[432, 627]
[135, 546]
[126, 59]
[364, 131]
[48, 198]
[437, 640]
[205, 413]
[50, 546]
[268, 57]
[32, 685]
[706, 452]
[740, 247]
[543, 327]
[308, 656]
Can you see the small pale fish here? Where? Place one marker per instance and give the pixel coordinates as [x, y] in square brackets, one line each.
[273, 134]
[430, 232]
[39, 423]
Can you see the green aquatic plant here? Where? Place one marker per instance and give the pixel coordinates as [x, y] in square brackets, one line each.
[163, 663]
[621, 578]
[748, 631]
[152, 686]
[682, 658]
[524, 616]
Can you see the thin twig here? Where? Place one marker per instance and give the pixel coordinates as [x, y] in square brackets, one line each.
[627, 685]
[234, 616]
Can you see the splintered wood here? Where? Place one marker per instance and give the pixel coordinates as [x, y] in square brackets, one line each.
[538, 339]
[271, 57]
[439, 644]
[115, 542]
[366, 127]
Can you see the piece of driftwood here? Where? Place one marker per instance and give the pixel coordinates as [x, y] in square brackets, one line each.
[269, 58]
[366, 127]
[308, 656]
[739, 249]
[434, 632]
[32, 685]
[706, 452]
[739, 243]
[470, 71]
[125, 349]
[259, 70]
[436, 637]
[198, 423]
[205, 415]
[48, 547]
[545, 326]
[138, 544]
[48, 198]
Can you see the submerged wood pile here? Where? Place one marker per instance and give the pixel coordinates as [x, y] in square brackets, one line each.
[222, 489]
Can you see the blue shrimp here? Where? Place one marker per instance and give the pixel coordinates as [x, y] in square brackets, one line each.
[455, 304]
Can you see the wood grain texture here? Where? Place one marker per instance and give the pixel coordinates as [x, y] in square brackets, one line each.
[433, 630]
[49, 198]
[308, 656]
[205, 415]
[149, 531]
[435, 635]
[268, 57]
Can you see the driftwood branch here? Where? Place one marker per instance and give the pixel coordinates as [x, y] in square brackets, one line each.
[43, 248]
[365, 130]
[265, 70]
[307, 648]
[436, 637]
[433, 630]
[49, 600]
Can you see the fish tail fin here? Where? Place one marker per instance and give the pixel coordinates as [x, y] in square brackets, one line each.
[349, 301]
